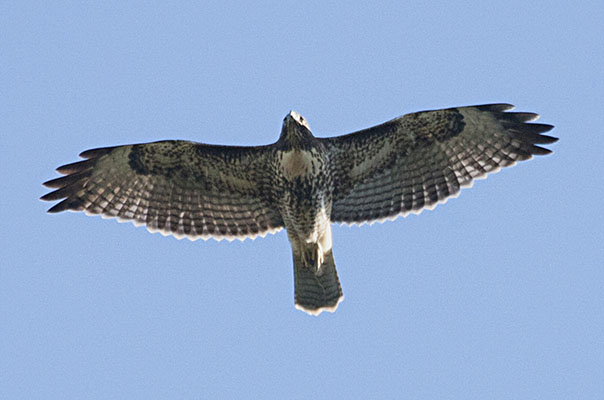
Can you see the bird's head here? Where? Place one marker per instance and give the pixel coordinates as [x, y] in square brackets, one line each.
[295, 131]
[293, 118]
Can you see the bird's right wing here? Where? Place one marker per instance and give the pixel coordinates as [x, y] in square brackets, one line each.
[177, 187]
[418, 160]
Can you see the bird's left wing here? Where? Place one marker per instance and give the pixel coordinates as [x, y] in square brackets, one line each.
[181, 188]
[418, 160]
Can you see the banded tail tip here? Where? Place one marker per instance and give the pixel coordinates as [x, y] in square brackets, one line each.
[319, 310]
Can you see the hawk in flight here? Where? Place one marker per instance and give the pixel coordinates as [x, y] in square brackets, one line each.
[301, 183]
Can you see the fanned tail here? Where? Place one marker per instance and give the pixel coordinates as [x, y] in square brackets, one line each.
[316, 290]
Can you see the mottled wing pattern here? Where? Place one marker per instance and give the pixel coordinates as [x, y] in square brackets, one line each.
[181, 188]
[420, 159]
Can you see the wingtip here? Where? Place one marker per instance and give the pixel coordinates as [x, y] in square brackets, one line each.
[93, 153]
[74, 167]
[549, 139]
[498, 107]
[540, 151]
[57, 208]
[47, 197]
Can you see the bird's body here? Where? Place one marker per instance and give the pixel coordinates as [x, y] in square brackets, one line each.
[301, 183]
[305, 189]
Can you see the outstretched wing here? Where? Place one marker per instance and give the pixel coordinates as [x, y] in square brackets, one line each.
[420, 159]
[175, 187]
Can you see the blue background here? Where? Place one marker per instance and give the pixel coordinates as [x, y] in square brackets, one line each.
[496, 295]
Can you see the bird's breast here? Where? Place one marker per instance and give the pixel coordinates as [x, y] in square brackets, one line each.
[304, 193]
[298, 163]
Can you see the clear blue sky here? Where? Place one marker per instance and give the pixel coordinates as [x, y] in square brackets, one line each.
[498, 294]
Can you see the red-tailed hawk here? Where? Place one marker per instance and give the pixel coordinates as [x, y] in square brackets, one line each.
[301, 183]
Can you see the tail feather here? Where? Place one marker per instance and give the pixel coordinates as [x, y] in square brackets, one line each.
[317, 290]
